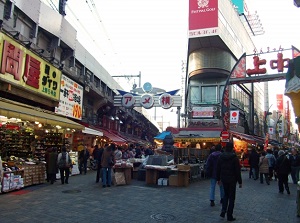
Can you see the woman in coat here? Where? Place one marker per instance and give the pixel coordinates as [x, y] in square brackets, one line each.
[264, 168]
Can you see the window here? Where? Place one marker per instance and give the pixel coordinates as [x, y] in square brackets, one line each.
[209, 94]
[195, 95]
[221, 90]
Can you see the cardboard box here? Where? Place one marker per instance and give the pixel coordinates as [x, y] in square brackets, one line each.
[183, 167]
[165, 182]
[160, 181]
[173, 180]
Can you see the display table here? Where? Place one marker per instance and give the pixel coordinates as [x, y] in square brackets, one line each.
[153, 173]
[127, 170]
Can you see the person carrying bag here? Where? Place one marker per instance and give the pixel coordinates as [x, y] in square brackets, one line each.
[64, 164]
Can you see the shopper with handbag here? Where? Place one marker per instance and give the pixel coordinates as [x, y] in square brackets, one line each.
[107, 162]
[64, 163]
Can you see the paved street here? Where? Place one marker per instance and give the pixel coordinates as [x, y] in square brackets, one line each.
[82, 200]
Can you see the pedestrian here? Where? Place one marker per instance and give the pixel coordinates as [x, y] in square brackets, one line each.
[107, 162]
[211, 171]
[253, 162]
[283, 169]
[97, 154]
[271, 160]
[51, 164]
[64, 163]
[229, 174]
[83, 158]
[264, 168]
[295, 165]
[118, 153]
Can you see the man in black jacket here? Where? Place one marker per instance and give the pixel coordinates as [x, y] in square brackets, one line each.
[229, 174]
[283, 169]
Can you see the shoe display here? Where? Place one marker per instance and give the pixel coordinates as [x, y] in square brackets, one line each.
[212, 203]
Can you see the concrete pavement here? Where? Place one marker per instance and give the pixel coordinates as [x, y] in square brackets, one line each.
[82, 200]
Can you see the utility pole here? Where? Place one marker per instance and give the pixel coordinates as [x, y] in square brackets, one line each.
[139, 76]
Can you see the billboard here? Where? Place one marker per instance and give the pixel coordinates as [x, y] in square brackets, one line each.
[71, 96]
[203, 18]
[279, 98]
[239, 5]
[20, 67]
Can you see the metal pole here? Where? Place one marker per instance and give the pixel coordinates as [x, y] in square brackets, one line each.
[178, 117]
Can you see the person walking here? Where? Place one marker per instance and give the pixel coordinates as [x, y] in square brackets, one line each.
[83, 158]
[211, 171]
[64, 163]
[107, 162]
[264, 168]
[229, 174]
[295, 165]
[97, 154]
[51, 165]
[271, 161]
[283, 169]
[253, 162]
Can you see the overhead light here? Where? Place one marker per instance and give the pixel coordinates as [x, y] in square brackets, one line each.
[40, 125]
[46, 131]
[58, 127]
[121, 122]
[68, 129]
[37, 123]
[111, 118]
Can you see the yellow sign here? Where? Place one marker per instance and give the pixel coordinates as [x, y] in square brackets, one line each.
[197, 139]
[19, 66]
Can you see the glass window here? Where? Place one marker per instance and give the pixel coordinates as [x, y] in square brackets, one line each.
[221, 90]
[195, 95]
[209, 94]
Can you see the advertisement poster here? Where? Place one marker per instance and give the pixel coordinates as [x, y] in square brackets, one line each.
[203, 18]
[71, 95]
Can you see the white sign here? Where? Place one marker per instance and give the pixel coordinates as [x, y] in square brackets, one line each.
[166, 101]
[234, 116]
[128, 100]
[71, 96]
[147, 101]
[271, 131]
[203, 112]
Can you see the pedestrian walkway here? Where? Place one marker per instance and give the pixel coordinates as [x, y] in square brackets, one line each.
[83, 200]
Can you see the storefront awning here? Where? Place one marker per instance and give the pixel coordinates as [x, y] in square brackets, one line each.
[90, 131]
[245, 137]
[12, 109]
[161, 136]
[113, 137]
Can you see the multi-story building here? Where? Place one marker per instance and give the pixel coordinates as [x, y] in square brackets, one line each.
[218, 36]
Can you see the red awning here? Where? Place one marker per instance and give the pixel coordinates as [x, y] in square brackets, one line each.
[113, 137]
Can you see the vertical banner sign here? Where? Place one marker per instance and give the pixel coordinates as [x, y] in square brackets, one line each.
[71, 96]
[279, 98]
[203, 18]
[238, 71]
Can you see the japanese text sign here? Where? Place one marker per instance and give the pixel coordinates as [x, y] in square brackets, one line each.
[19, 66]
[71, 95]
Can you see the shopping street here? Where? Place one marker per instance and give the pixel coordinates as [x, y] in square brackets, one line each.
[82, 200]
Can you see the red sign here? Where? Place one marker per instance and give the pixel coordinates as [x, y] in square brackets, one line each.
[225, 136]
[203, 16]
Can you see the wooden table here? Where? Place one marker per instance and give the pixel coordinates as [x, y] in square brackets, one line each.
[127, 172]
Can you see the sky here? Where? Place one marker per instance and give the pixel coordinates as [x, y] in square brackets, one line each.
[150, 36]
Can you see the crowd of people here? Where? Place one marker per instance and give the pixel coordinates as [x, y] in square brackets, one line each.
[223, 167]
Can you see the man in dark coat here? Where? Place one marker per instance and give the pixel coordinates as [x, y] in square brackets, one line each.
[283, 169]
[97, 154]
[51, 165]
[229, 174]
[253, 162]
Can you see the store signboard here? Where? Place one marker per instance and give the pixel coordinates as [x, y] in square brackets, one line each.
[239, 5]
[20, 67]
[71, 95]
[203, 112]
[203, 18]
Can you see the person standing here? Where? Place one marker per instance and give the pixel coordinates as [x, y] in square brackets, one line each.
[211, 171]
[253, 162]
[97, 154]
[107, 162]
[229, 174]
[295, 165]
[271, 160]
[83, 158]
[64, 163]
[283, 169]
[51, 165]
[264, 168]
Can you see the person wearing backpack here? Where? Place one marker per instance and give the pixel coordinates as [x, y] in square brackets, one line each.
[64, 163]
[211, 171]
